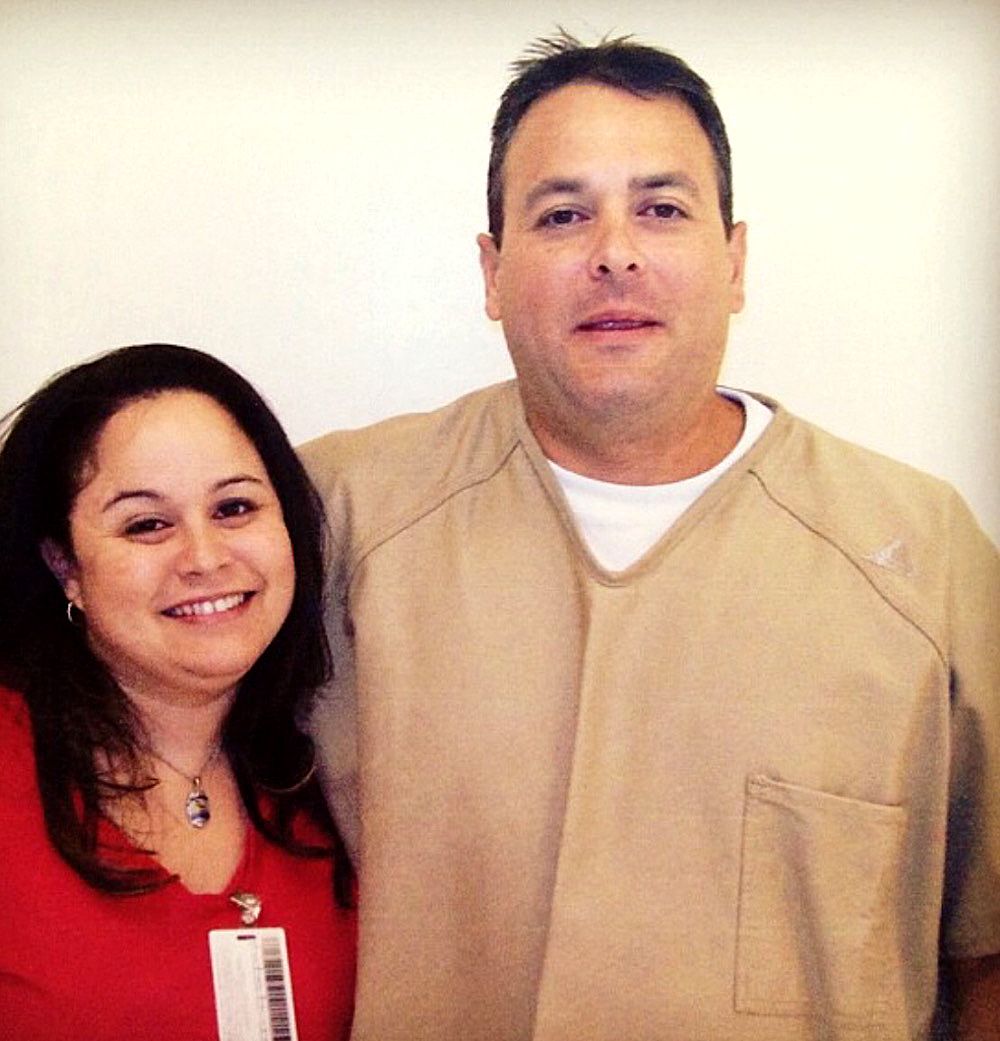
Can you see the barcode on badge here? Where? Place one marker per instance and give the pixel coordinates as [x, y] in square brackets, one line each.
[253, 985]
[277, 983]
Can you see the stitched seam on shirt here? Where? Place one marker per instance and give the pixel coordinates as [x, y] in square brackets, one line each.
[444, 494]
[835, 544]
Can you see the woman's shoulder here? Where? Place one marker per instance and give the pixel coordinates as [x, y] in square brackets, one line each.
[14, 717]
[16, 750]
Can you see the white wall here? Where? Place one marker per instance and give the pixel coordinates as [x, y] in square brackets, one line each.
[296, 186]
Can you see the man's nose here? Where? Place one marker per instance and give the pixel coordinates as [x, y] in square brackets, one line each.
[615, 250]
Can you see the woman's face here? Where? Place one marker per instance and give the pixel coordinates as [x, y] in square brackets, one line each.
[181, 560]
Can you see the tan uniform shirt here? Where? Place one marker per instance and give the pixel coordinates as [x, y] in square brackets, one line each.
[705, 798]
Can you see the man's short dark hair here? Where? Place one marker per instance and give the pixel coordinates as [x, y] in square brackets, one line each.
[554, 62]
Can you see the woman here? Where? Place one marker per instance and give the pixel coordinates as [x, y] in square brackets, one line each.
[160, 604]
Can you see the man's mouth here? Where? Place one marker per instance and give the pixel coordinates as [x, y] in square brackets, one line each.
[203, 608]
[617, 322]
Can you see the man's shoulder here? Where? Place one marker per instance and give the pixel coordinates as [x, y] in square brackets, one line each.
[906, 530]
[408, 462]
[910, 534]
[834, 483]
[409, 438]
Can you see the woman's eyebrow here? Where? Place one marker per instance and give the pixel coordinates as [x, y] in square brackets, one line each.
[148, 493]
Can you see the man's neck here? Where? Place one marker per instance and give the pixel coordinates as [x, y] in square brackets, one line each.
[641, 455]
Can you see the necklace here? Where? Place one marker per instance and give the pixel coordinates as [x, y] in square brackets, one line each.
[196, 808]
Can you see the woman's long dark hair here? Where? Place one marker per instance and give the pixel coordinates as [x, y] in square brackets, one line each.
[74, 704]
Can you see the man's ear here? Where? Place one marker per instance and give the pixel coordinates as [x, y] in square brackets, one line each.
[489, 262]
[737, 249]
[63, 566]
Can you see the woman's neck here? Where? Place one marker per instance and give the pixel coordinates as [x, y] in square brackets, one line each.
[185, 734]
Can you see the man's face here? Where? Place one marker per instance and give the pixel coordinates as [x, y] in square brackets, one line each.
[616, 280]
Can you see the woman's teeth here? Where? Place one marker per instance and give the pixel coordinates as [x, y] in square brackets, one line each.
[206, 607]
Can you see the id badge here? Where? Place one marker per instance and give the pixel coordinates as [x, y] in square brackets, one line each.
[253, 985]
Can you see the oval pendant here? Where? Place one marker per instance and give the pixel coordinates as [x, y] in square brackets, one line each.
[196, 808]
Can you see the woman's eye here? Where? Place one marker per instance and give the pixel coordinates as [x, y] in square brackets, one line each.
[145, 526]
[235, 508]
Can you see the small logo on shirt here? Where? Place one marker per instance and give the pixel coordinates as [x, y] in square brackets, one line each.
[893, 556]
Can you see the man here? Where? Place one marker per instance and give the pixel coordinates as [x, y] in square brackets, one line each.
[660, 703]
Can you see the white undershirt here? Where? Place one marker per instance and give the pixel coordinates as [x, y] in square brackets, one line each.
[620, 522]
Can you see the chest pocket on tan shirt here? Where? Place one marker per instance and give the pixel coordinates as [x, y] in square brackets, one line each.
[816, 891]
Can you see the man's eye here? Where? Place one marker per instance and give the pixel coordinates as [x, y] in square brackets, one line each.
[559, 218]
[664, 211]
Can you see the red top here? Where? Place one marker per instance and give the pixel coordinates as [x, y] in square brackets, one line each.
[77, 963]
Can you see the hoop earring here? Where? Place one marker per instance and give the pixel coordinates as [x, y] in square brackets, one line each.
[75, 622]
[299, 784]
